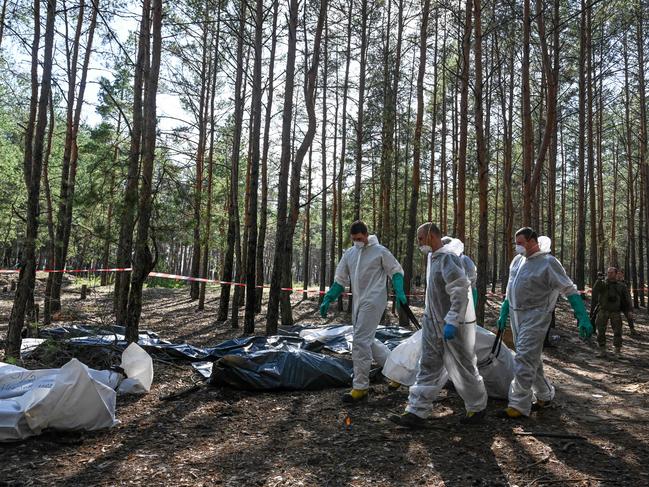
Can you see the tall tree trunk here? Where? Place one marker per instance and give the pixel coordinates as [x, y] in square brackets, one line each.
[127, 220]
[263, 218]
[201, 119]
[32, 167]
[443, 165]
[306, 236]
[251, 220]
[460, 213]
[70, 155]
[334, 185]
[507, 112]
[277, 279]
[210, 169]
[643, 136]
[580, 256]
[549, 129]
[526, 108]
[391, 77]
[323, 148]
[590, 150]
[309, 98]
[601, 237]
[433, 124]
[48, 192]
[144, 261]
[361, 112]
[233, 204]
[416, 154]
[343, 149]
[483, 169]
[630, 174]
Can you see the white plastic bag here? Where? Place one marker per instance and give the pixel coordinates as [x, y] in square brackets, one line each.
[403, 362]
[497, 370]
[138, 367]
[68, 398]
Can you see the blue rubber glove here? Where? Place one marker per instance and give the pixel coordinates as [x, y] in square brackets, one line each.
[583, 321]
[504, 314]
[449, 331]
[397, 285]
[334, 293]
[475, 296]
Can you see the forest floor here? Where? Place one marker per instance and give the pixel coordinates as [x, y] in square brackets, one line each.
[220, 436]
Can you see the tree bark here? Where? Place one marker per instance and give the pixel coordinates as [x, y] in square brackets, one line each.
[416, 154]
[361, 112]
[643, 136]
[233, 203]
[263, 218]
[201, 119]
[70, 156]
[144, 261]
[483, 169]
[127, 220]
[528, 150]
[580, 256]
[210, 168]
[460, 213]
[278, 277]
[32, 167]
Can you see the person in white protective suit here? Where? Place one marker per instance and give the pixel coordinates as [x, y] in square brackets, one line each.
[469, 266]
[536, 278]
[365, 266]
[448, 340]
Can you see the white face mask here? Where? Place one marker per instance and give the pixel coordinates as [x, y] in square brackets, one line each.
[359, 245]
[520, 250]
[425, 249]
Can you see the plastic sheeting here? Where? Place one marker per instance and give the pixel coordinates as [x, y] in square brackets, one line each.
[291, 362]
[73, 397]
[138, 367]
[113, 336]
[69, 398]
[497, 368]
[282, 370]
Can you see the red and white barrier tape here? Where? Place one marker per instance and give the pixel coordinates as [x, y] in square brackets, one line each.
[179, 277]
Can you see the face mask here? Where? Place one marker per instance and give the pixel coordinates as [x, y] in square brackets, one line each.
[425, 249]
[520, 250]
[359, 245]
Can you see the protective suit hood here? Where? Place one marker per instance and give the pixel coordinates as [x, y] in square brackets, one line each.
[372, 240]
[456, 246]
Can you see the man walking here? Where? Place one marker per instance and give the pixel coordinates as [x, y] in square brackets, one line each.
[611, 296]
[536, 278]
[365, 266]
[448, 341]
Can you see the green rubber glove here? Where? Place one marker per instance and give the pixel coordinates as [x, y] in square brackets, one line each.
[504, 314]
[475, 296]
[397, 285]
[585, 326]
[334, 293]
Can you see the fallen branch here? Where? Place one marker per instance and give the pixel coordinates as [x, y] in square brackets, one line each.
[561, 481]
[178, 395]
[531, 465]
[549, 435]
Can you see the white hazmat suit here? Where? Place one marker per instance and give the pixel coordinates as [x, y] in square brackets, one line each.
[366, 269]
[535, 283]
[470, 269]
[447, 296]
